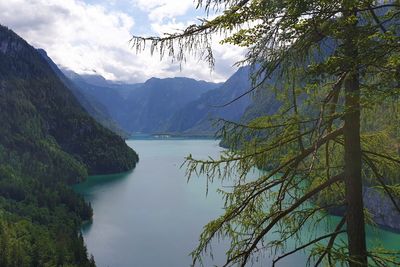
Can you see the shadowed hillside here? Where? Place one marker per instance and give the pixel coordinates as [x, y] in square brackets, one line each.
[47, 141]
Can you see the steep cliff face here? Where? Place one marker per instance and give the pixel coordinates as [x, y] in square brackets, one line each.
[383, 211]
[380, 206]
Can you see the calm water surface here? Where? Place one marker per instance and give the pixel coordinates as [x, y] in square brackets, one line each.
[151, 217]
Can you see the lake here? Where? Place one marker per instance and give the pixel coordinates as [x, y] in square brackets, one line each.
[152, 216]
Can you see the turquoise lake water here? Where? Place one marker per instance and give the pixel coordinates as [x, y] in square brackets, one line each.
[152, 217]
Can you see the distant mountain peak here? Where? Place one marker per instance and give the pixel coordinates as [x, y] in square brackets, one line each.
[95, 79]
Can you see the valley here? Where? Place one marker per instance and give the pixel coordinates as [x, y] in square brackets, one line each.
[214, 133]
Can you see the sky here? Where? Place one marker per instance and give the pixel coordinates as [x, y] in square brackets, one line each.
[92, 36]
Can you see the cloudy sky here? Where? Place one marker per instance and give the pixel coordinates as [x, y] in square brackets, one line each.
[92, 36]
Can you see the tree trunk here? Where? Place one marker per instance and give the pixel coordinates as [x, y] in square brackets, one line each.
[353, 179]
[352, 146]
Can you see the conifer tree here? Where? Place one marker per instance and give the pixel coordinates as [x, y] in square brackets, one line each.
[334, 62]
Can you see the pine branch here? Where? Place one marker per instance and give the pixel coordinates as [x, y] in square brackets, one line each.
[381, 181]
[307, 245]
[246, 254]
[331, 243]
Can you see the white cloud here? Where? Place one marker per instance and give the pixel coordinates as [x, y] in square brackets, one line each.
[88, 37]
[160, 9]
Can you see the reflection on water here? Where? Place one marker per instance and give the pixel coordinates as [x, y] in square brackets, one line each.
[100, 182]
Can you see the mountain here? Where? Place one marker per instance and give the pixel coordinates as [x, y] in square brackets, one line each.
[98, 90]
[263, 103]
[123, 89]
[59, 115]
[174, 105]
[143, 107]
[178, 105]
[154, 103]
[197, 117]
[93, 107]
[47, 141]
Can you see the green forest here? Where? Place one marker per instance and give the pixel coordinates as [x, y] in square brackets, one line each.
[47, 143]
[316, 121]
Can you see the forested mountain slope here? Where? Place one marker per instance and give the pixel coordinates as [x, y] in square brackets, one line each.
[97, 90]
[47, 141]
[97, 110]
